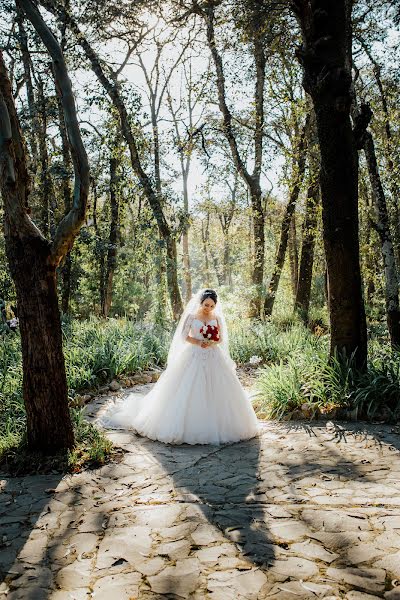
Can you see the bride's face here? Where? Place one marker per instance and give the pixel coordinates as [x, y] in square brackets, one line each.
[208, 305]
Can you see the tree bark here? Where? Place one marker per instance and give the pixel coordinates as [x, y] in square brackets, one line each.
[225, 216]
[70, 225]
[33, 259]
[205, 240]
[187, 276]
[280, 257]
[293, 255]
[252, 180]
[394, 215]
[388, 255]
[112, 239]
[30, 94]
[44, 379]
[66, 268]
[302, 301]
[45, 395]
[326, 59]
[47, 195]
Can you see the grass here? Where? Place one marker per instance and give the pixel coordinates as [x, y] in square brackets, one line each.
[92, 449]
[272, 341]
[294, 374]
[305, 382]
[95, 352]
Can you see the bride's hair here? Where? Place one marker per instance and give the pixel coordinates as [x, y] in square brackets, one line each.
[208, 294]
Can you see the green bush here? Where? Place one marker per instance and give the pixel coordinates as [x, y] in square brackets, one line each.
[95, 352]
[270, 341]
[325, 385]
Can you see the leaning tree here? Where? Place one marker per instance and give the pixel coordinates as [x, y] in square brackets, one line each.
[34, 259]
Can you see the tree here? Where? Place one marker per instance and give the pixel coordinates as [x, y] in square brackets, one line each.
[389, 151]
[183, 116]
[326, 59]
[297, 178]
[382, 227]
[33, 259]
[114, 229]
[251, 179]
[109, 82]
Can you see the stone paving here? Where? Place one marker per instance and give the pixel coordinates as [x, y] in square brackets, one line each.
[304, 511]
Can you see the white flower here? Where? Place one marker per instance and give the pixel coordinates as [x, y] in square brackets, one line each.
[209, 335]
[255, 360]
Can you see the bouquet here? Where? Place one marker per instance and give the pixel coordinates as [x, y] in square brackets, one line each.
[210, 333]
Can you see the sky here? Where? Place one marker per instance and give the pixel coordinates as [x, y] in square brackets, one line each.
[135, 79]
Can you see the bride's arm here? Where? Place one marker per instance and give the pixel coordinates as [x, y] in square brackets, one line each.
[219, 331]
[185, 332]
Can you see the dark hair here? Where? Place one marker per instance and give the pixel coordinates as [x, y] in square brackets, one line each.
[208, 294]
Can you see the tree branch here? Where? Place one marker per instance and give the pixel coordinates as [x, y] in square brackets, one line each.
[70, 225]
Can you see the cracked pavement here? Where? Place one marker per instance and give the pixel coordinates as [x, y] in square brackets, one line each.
[303, 511]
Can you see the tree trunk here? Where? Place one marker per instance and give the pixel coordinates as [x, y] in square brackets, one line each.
[66, 269]
[102, 276]
[44, 379]
[205, 241]
[33, 260]
[49, 425]
[388, 256]
[394, 216]
[112, 239]
[172, 277]
[227, 260]
[293, 255]
[280, 257]
[302, 301]
[252, 180]
[30, 94]
[46, 183]
[187, 276]
[326, 60]
[186, 265]
[216, 264]
[259, 251]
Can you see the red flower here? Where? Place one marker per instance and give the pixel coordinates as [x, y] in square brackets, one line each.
[210, 332]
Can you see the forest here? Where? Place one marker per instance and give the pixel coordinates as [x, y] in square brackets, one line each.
[149, 149]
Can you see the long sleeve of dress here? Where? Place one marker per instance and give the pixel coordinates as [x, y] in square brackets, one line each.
[219, 330]
[186, 327]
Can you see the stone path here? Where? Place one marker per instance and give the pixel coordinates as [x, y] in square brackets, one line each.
[301, 512]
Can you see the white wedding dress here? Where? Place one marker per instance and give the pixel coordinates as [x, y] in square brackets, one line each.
[198, 399]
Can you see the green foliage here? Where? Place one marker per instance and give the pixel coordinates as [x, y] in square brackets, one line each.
[91, 446]
[306, 378]
[272, 341]
[95, 352]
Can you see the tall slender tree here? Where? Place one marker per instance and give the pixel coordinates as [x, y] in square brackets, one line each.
[297, 178]
[251, 179]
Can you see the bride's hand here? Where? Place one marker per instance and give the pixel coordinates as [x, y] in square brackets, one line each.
[204, 344]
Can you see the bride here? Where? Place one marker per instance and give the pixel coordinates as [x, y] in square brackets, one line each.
[198, 399]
